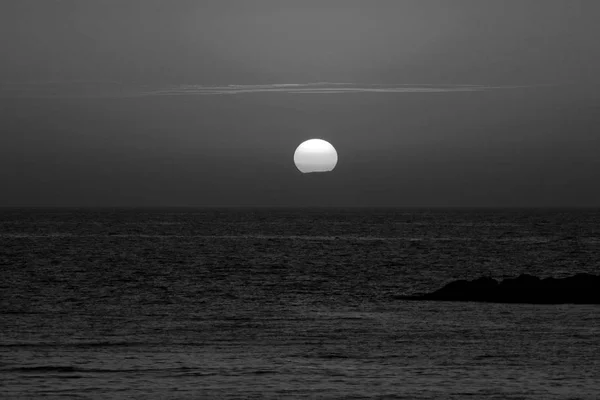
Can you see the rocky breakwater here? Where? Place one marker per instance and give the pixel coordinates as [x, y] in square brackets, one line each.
[576, 289]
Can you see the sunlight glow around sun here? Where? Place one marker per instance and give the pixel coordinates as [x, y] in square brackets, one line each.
[315, 155]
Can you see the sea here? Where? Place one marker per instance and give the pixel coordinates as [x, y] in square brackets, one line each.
[276, 303]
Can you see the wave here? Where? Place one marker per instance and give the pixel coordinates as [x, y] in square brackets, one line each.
[529, 239]
[62, 370]
[78, 345]
[72, 369]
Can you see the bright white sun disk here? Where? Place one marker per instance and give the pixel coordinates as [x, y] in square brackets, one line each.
[315, 155]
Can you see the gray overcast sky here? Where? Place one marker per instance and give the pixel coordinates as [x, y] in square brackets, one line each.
[528, 146]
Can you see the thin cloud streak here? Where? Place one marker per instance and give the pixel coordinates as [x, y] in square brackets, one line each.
[308, 88]
[116, 90]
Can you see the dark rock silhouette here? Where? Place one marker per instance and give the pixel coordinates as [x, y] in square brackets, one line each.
[577, 289]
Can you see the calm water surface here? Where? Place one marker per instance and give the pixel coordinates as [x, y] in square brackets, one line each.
[276, 303]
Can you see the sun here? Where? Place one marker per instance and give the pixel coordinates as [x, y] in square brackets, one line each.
[315, 155]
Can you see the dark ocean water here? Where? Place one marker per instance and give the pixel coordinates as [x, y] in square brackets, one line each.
[290, 303]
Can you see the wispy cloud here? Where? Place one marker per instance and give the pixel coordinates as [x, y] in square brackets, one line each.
[308, 88]
[116, 90]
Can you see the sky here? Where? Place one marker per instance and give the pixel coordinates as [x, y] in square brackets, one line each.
[202, 103]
